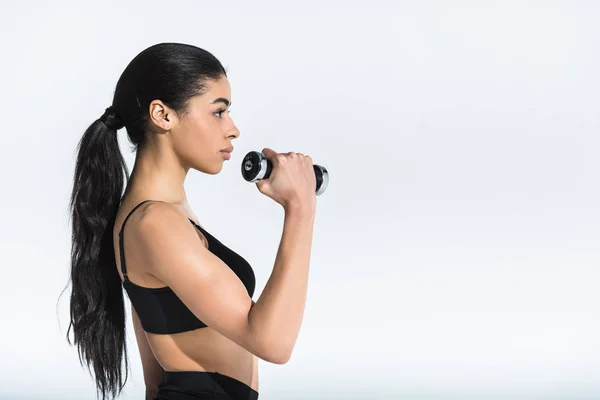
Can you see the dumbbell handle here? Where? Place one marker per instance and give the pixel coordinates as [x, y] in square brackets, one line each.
[255, 167]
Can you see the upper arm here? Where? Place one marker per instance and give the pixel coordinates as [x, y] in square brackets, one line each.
[175, 254]
[151, 367]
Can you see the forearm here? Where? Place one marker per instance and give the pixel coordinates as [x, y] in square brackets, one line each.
[276, 317]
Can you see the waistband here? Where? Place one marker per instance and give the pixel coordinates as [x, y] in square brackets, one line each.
[203, 382]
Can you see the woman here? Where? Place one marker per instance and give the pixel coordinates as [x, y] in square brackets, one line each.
[198, 331]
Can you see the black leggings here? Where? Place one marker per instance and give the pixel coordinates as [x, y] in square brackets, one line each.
[196, 385]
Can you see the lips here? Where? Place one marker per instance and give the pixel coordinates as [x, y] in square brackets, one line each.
[226, 153]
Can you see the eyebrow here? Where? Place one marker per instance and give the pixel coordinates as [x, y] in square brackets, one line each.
[222, 100]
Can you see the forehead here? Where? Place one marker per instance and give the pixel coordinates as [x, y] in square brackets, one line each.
[216, 89]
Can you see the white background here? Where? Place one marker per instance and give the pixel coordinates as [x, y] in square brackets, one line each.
[456, 250]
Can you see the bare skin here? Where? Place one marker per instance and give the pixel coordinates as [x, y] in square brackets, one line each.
[239, 330]
[198, 350]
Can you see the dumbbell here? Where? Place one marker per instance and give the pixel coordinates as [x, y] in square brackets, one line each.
[255, 166]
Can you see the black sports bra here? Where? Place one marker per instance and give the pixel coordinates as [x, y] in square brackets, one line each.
[159, 309]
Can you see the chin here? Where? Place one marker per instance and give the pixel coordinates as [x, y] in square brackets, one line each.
[214, 169]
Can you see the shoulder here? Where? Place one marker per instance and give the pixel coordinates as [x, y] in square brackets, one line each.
[155, 212]
[160, 222]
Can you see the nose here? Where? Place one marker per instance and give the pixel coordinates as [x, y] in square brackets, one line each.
[233, 132]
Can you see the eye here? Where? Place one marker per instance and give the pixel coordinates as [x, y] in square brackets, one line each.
[219, 113]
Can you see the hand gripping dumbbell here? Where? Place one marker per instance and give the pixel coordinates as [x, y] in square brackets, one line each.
[255, 166]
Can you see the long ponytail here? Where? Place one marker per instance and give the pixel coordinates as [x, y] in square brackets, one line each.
[97, 306]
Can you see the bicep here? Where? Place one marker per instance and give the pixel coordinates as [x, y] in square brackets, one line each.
[204, 283]
[151, 367]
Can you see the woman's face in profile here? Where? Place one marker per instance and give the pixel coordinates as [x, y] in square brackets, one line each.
[207, 128]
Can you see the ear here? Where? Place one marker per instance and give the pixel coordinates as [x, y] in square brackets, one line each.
[162, 116]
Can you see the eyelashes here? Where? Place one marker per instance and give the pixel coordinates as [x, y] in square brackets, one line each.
[218, 113]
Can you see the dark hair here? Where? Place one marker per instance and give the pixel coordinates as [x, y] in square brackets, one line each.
[172, 73]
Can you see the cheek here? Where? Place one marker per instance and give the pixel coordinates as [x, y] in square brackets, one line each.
[196, 133]
[198, 143]
[206, 134]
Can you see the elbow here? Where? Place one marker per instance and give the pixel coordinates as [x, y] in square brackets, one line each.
[274, 353]
[280, 358]
[269, 346]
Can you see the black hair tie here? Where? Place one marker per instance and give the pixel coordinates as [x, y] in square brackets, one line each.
[111, 119]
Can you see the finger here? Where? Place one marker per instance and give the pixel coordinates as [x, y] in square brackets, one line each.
[270, 154]
[263, 185]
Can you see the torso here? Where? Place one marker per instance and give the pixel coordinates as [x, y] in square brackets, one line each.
[202, 349]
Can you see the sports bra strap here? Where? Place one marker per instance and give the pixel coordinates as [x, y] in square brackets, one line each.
[121, 247]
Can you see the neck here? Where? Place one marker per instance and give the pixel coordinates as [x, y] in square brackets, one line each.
[158, 175]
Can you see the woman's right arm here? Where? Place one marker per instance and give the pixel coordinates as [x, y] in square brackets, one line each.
[175, 254]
